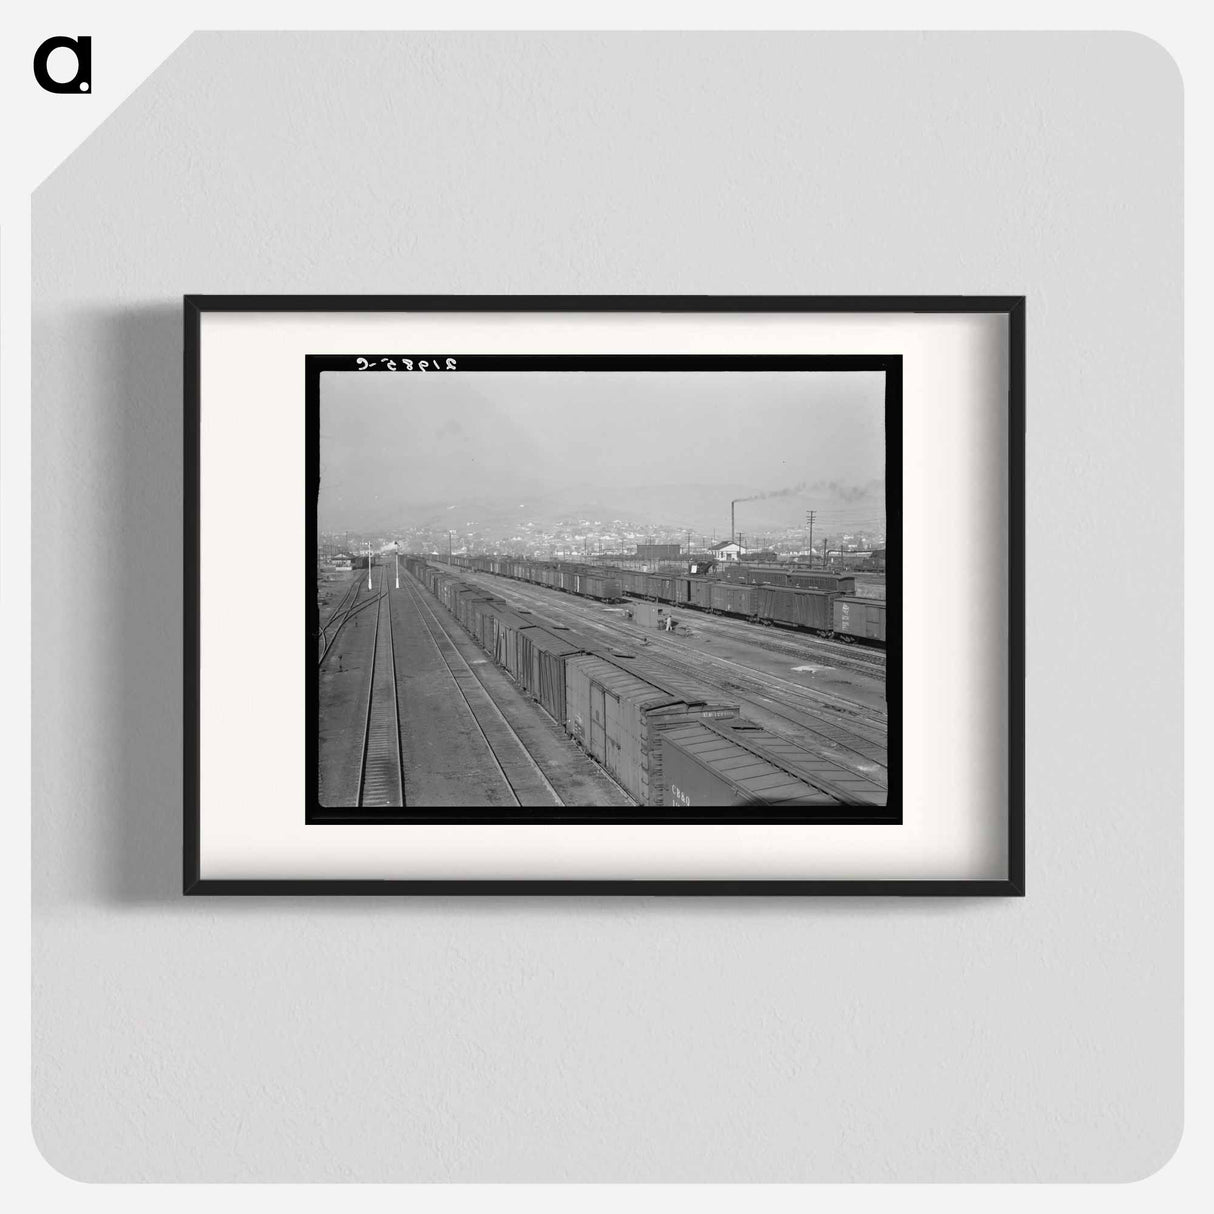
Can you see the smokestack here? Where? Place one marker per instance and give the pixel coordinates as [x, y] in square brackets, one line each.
[733, 534]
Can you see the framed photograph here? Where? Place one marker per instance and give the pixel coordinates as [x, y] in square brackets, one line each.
[604, 594]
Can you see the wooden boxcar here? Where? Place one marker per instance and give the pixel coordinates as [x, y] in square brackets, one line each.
[817, 769]
[468, 600]
[632, 582]
[840, 583]
[601, 586]
[767, 577]
[720, 763]
[796, 608]
[541, 669]
[700, 592]
[504, 627]
[861, 618]
[658, 587]
[734, 599]
[702, 767]
[446, 585]
[617, 717]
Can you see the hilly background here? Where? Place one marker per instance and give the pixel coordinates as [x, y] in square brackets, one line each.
[701, 507]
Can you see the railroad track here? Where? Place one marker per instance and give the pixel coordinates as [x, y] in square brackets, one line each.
[524, 777]
[341, 615]
[381, 768]
[856, 737]
[868, 720]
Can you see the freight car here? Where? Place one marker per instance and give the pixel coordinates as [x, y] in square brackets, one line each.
[860, 619]
[569, 576]
[840, 583]
[618, 717]
[735, 762]
[791, 575]
[810, 609]
[730, 599]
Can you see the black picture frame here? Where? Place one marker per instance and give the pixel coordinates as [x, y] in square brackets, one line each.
[1012, 307]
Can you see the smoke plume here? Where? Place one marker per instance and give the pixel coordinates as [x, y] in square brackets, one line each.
[829, 490]
[762, 497]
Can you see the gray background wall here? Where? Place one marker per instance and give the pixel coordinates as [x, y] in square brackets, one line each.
[627, 1039]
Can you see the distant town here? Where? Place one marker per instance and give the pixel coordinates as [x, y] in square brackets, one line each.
[581, 539]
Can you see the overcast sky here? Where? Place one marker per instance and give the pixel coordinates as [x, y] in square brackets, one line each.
[395, 447]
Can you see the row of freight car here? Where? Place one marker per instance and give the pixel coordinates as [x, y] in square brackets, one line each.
[667, 741]
[819, 611]
[569, 576]
[798, 579]
[826, 612]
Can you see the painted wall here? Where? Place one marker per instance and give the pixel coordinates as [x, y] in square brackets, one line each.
[626, 1039]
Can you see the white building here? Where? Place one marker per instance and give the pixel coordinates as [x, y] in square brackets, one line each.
[727, 550]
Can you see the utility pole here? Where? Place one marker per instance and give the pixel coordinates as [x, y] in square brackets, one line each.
[810, 515]
[368, 564]
[398, 567]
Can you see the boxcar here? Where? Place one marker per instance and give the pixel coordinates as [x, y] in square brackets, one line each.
[446, 586]
[767, 577]
[671, 588]
[702, 767]
[632, 582]
[689, 689]
[700, 592]
[476, 616]
[617, 716]
[503, 632]
[466, 599]
[861, 618]
[605, 587]
[734, 599]
[719, 763]
[656, 587]
[815, 768]
[541, 669]
[796, 608]
[840, 583]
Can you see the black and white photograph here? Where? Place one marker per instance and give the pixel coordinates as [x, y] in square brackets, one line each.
[604, 589]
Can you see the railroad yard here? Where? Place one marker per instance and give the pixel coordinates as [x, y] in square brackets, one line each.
[412, 712]
[443, 685]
